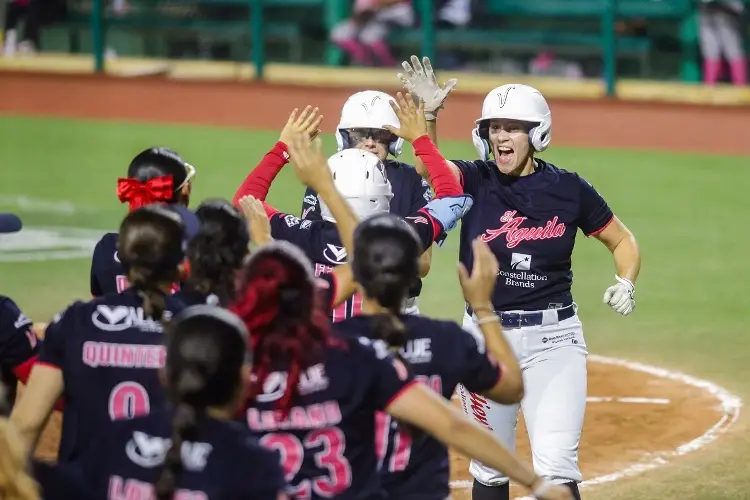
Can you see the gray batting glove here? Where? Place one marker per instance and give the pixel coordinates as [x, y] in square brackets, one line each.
[421, 82]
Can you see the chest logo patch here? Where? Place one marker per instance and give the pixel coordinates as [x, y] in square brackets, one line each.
[515, 234]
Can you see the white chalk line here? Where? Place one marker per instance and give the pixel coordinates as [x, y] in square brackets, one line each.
[730, 403]
[38, 205]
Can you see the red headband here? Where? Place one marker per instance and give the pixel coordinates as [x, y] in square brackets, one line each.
[138, 194]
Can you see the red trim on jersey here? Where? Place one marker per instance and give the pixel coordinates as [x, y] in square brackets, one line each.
[400, 393]
[605, 226]
[443, 179]
[259, 180]
[45, 363]
[334, 291]
[23, 370]
[270, 211]
[437, 228]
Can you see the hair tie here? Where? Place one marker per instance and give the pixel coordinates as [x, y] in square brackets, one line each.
[138, 193]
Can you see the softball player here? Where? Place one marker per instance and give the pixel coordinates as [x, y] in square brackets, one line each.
[361, 126]
[530, 212]
[104, 355]
[156, 175]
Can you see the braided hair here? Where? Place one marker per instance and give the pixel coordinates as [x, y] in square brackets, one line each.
[206, 349]
[279, 302]
[150, 247]
[385, 264]
[216, 253]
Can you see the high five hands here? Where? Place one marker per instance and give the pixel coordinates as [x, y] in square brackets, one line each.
[411, 117]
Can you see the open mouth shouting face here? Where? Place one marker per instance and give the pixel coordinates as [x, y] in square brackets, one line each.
[509, 140]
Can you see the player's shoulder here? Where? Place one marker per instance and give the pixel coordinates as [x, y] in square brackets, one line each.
[8, 306]
[107, 241]
[550, 170]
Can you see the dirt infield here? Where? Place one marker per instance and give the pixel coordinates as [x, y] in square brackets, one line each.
[631, 415]
[602, 123]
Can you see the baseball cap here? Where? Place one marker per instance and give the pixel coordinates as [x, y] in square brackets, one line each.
[10, 223]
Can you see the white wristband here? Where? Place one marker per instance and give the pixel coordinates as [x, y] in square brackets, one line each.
[488, 319]
[626, 282]
[543, 488]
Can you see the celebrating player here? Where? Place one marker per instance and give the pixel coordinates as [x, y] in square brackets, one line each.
[103, 355]
[19, 344]
[156, 175]
[439, 353]
[314, 396]
[361, 126]
[215, 254]
[530, 212]
[359, 177]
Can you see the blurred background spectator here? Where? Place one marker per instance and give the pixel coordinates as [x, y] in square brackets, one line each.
[364, 36]
[33, 14]
[721, 35]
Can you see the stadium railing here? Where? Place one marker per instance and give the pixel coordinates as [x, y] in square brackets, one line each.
[591, 27]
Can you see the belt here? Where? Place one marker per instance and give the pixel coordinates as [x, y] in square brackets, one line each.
[532, 318]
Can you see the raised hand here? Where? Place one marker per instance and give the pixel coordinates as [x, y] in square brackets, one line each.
[257, 220]
[421, 81]
[307, 122]
[411, 116]
[310, 166]
[478, 286]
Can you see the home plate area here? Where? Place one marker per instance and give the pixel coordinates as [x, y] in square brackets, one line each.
[638, 417]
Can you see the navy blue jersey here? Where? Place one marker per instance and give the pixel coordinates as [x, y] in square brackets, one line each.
[109, 354]
[326, 441]
[320, 241]
[410, 192]
[442, 355]
[107, 273]
[19, 346]
[222, 461]
[530, 224]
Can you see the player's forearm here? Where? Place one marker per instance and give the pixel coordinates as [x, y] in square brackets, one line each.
[447, 424]
[627, 257]
[474, 441]
[346, 219]
[425, 262]
[36, 403]
[259, 180]
[444, 182]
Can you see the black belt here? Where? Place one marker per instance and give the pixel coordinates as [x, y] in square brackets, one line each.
[519, 319]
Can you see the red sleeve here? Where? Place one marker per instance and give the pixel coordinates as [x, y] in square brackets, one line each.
[443, 179]
[270, 211]
[258, 182]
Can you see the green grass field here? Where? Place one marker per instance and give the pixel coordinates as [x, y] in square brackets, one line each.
[687, 211]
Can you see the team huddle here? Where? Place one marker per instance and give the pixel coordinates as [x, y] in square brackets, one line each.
[236, 351]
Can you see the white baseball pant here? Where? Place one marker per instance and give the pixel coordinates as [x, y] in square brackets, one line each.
[553, 363]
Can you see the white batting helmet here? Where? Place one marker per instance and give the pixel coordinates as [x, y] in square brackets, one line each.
[368, 109]
[514, 101]
[359, 176]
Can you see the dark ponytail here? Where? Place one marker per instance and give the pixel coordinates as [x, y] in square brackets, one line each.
[385, 264]
[206, 348]
[390, 291]
[185, 422]
[150, 247]
[216, 253]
